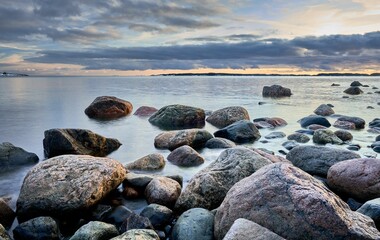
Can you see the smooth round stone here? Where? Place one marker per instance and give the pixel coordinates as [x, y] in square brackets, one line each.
[185, 156]
[354, 147]
[274, 135]
[299, 137]
[343, 135]
[108, 107]
[219, 143]
[289, 145]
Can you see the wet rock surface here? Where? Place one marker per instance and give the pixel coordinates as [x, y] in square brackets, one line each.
[108, 107]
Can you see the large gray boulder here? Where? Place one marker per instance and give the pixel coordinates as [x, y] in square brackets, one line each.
[356, 178]
[77, 141]
[209, 186]
[151, 162]
[95, 230]
[195, 138]
[292, 204]
[178, 117]
[44, 228]
[318, 159]
[276, 91]
[242, 131]
[353, 91]
[108, 107]
[68, 185]
[372, 210]
[359, 122]
[11, 155]
[138, 234]
[226, 116]
[158, 215]
[196, 223]
[243, 229]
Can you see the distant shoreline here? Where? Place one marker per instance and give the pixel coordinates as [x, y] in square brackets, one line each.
[273, 75]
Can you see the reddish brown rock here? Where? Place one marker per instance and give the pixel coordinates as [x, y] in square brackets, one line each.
[195, 138]
[108, 107]
[7, 215]
[163, 191]
[145, 111]
[344, 125]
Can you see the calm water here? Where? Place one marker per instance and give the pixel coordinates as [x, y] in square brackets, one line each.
[29, 106]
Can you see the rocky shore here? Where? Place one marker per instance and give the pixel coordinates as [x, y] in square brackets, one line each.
[320, 188]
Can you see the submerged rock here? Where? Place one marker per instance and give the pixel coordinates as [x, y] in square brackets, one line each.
[223, 117]
[195, 138]
[77, 141]
[359, 122]
[299, 137]
[108, 107]
[324, 110]
[240, 132]
[353, 91]
[220, 143]
[324, 136]
[11, 155]
[276, 91]
[145, 111]
[314, 119]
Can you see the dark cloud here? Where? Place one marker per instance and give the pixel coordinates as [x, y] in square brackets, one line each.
[48, 8]
[228, 38]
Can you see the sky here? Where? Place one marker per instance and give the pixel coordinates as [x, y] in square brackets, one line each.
[144, 37]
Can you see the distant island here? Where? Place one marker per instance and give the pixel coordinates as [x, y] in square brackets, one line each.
[7, 74]
[275, 75]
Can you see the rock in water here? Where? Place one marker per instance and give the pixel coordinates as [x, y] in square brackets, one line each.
[195, 138]
[314, 119]
[353, 91]
[208, 187]
[151, 162]
[178, 117]
[7, 215]
[242, 131]
[107, 107]
[372, 210]
[44, 228]
[95, 230]
[145, 111]
[77, 141]
[11, 155]
[163, 191]
[219, 143]
[66, 186]
[138, 234]
[292, 204]
[223, 117]
[317, 159]
[359, 122]
[324, 110]
[276, 91]
[324, 136]
[185, 156]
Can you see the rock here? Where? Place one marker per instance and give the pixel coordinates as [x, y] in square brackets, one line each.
[262, 124]
[345, 97]
[107, 107]
[67, 185]
[77, 141]
[274, 135]
[95, 231]
[154, 161]
[267, 122]
[370, 107]
[185, 156]
[240, 132]
[195, 138]
[359, 122]
[356, 178]
[324, 136]
[344, 125]
[352, 203]
[7, 215]
[196, 223]
[353, 147]
[370, 154]
[243, 229]
[131, 192]
[3, 234]
[145, 111]
[375, 123]
[226, 116]
[316, 127]
[374, 130]
[219, 143]
[376, 146]
[276, 91]
[356, 84]
[43, 228]
[372, 210]
[377, 138]
[305, 131]
[313, 119]
[209, 186]
[269, 155]
[163, 191]
[178, 117]
[289, 145]
[299, 137]
[158, 215]
[317, 159]
[135, 221]
[353, 91]
[11, 155]
[118, 216]
[343, 135]
[139, 181]
[335, 85]
[324, 110]
[138, 234]
[292, 204]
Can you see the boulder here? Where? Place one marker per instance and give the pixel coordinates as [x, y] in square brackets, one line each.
[163, 191]
[268, 155]
[226, 116]
[325, 136]
[185, 156]
[289, 145]
[324, 110]
[138, 234]
[178, 117]
[375, 123]
[240, 132]
[343, 135]
[276, 91]
[151, 162]
[274, 135]
[314, 119]
[196, 223]
[356, 84]
[354, 147]
[376, 146]
[77, 141]
[353, 91]
[292, 204]
[11, 155]
[117, 216]
[318, 159]
[356, 178]
[7, 215]
[3, 234]
[299, 137]
[135, 221]
[209, 186]
[195, 138]
[219, 143]
[243, 229]
[95, 230]
[158, 215]
[344, 125]
[359, 122]
[371, 209]
[108, 107]
[67, 185]
[44, 228]
[145, 111]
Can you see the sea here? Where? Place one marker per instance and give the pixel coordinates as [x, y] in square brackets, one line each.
[31, 105]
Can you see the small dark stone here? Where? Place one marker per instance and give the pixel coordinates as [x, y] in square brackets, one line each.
[135, 221]
[343, 135]
[356, 84]
[354, 147]
[108, 107]
[370, 107]
[282, 152]
[335, 85]
[306, 131]
[289, 145]
[242, 131]
[274, 135]
[353, 204]
[314, 119]
[299, 137]
[353, 91]
[377, 138]
[345, 97]
[159, 215]
[43, 228]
